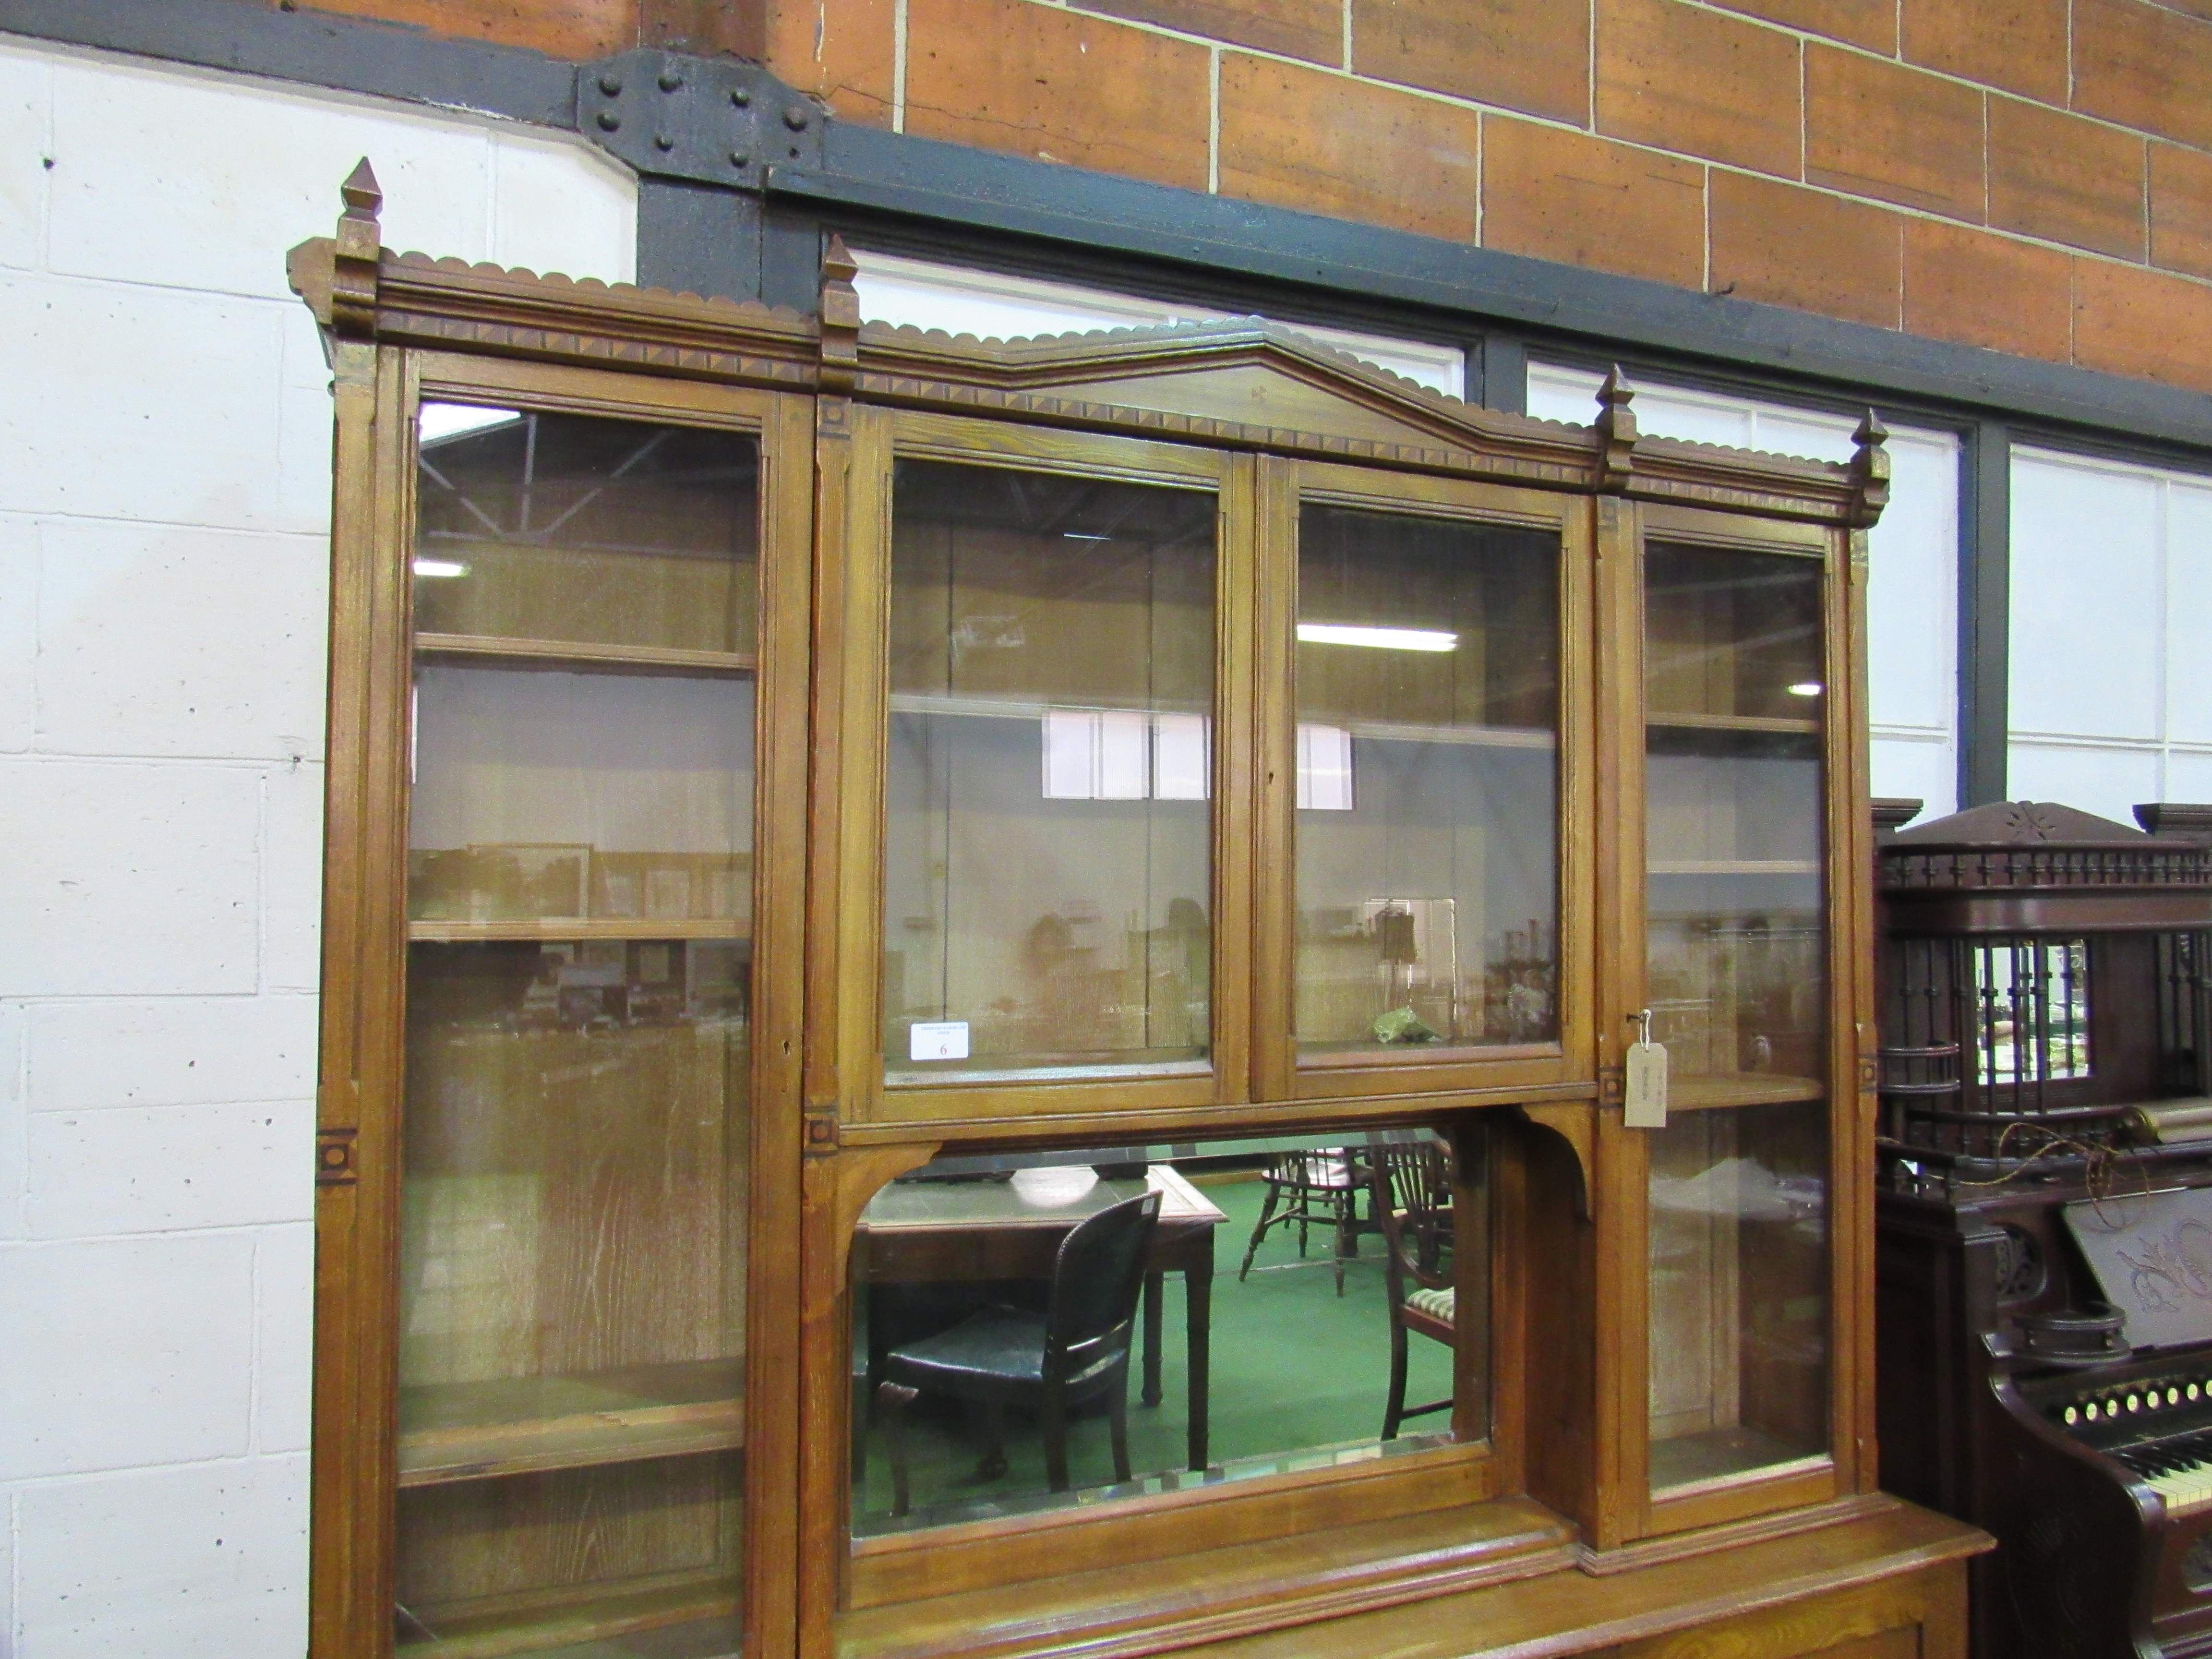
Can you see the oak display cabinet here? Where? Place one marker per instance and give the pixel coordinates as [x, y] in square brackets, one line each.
[851, 853]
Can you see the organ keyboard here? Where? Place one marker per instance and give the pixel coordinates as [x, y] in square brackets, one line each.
[2157, 1428]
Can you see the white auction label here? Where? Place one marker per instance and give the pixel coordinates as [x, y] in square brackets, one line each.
[945, 1039]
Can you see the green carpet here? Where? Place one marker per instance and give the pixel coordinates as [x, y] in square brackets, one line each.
[1296, 1367]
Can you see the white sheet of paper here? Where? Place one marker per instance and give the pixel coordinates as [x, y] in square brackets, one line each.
[944, 1039]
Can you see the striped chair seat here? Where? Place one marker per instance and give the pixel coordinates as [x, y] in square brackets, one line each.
[1436, 1304]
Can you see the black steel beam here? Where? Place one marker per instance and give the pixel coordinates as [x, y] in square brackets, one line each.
[1985, 612]
[872, 170]
[951, 189]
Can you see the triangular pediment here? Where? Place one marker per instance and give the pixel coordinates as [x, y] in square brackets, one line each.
[2020, 823]
[1258, 394]
[1247, 372]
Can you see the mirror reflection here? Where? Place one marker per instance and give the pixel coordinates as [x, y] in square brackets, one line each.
[1036, 1329]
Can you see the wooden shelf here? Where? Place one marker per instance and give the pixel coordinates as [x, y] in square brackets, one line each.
[1719, 1089]
[1672, 720]
[577, 654]
[1734, 866]
[566, 1622]
[483, 1431]
[557, 928]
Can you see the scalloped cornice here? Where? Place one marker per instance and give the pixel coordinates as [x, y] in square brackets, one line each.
[1242, 383]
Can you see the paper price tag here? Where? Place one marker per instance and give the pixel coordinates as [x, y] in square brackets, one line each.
[1644, 1096]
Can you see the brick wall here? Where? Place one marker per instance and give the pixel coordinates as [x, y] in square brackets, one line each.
[2031, 175]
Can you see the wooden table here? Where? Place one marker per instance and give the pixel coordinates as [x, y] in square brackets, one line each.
[936, 1232]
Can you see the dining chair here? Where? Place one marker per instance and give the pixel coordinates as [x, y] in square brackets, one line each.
[1319, 1188]
[1412, 1187]
[1075, 1351]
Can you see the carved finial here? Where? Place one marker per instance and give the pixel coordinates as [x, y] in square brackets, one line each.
[841, 317]
[1616, 431]
[355, 254]
[363, 195]
[1869, 472]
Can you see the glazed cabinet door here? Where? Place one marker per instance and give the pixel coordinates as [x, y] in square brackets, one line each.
[1748, 987]
[1033, 768]
[1425, 728]
[606, 589]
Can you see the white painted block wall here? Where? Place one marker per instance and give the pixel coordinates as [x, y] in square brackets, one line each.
[164, 516]
[2110, 704]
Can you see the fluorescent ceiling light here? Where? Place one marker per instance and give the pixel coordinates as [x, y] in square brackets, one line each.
[439, 423]
[1806, 689]
[440, 567]
[1383, 639]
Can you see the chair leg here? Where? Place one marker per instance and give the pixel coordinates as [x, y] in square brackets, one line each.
[994, 1441]
[1344, 1236]
[1267, 1213]
[891, 1400]
[1055, 1424]
[1117, 1418]
[1394, 1408]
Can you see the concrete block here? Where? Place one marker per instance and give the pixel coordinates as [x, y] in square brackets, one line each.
[119, 1353]
[155, 1169]
[26, 119]
[558, 204]
[2089, 613]
[193, 179]
[19, 633]
[292, 879]
[10, 1632]
[205, 1563]
[284, 1352]
[2107, 780]
[15, 1111]
[152, 404]
[2188, 613]
[1920, 765]
[139, 641]
[127, 880]
[304, 426]
[171, 1051]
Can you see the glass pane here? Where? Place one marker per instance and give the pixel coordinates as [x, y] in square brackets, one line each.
[1427, 768]
[2031, 1011]
[567, 527]
[1350, 1253]
[1048, 865]
[573, 1204]
[1739, 1291]
[1738, 980]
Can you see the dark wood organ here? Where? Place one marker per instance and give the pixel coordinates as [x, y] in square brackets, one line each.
[2043, 1243]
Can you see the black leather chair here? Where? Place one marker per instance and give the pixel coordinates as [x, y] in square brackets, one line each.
[1075, 1351]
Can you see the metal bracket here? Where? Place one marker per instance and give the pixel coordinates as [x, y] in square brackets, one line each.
[709, 120]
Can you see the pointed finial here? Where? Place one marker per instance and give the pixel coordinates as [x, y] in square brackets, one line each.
[841, 317]
[1616, 431]
[363, 195]
[1869, 472]
[355, 253]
